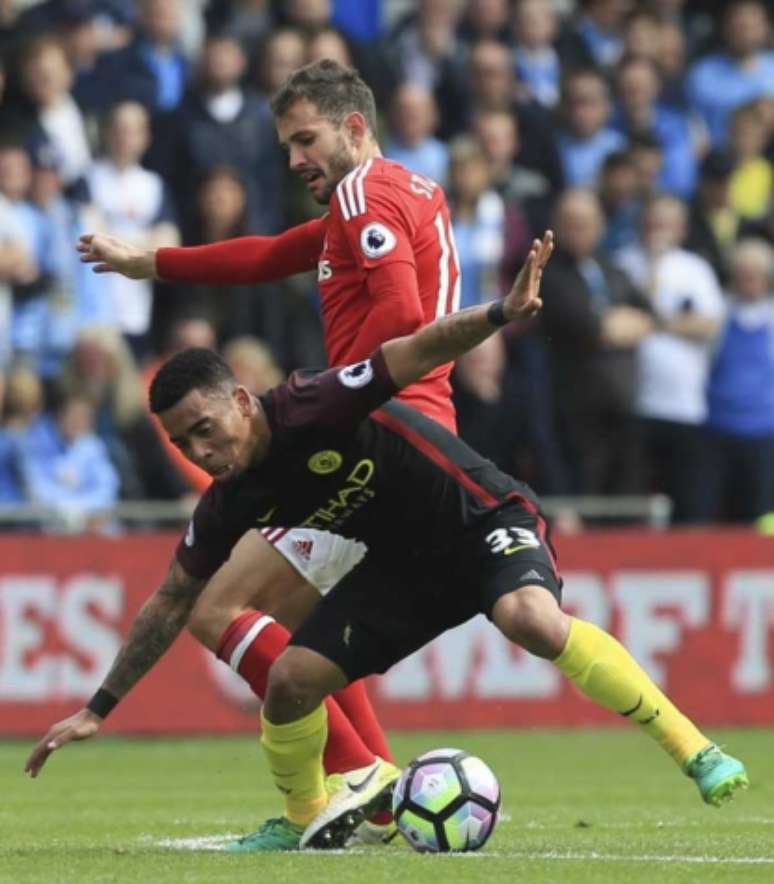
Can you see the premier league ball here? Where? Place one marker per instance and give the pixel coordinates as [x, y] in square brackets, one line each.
[446, 800]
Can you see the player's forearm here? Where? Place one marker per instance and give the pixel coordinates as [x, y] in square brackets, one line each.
[410, 358]
[247, 259]
[155, 628]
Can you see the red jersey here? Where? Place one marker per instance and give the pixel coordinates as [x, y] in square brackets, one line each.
[386, 262]
[382, 214]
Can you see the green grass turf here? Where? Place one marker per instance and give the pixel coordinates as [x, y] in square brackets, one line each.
[579, 806]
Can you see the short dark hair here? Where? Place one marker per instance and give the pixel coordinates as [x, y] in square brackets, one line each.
[334, 89]
[193, 369]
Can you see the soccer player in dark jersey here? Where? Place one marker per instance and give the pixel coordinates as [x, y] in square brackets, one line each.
[387, 264]
[448, 536]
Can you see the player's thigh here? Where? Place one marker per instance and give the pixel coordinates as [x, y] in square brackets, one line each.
[255, 576]
[378, 615]
[512, 564]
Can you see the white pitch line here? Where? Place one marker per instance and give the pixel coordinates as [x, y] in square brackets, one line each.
[216, 842]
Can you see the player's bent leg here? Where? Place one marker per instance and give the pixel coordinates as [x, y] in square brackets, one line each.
[606, 673]
[298, 682]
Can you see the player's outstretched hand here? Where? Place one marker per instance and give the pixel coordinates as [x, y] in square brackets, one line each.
[81, 726]
[523, 301]
[111, 255]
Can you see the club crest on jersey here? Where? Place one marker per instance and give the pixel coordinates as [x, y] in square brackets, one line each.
[325, 462]
[376, 240]
[357, 375]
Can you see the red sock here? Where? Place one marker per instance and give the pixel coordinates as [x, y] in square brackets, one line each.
[356, 705]
[250, 644]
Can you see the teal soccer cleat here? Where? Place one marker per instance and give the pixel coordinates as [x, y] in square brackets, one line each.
[717, 775]
[274, 835]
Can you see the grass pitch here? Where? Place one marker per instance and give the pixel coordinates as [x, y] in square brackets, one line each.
[578, 806]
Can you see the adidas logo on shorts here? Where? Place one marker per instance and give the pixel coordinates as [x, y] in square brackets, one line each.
[303, 549]
[531, 575]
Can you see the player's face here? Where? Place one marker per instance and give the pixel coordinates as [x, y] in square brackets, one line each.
[216, 431]
[320, 151]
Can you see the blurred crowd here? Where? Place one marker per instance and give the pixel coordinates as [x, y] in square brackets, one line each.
[642, 132]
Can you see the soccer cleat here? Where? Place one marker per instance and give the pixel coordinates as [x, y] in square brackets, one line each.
[362, 793]
[717, 775]
[368, 834]
[274, 835]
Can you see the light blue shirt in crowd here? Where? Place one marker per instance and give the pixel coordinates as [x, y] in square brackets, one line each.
[717, 84]
[73, 475]
[429, 158]
[582, 158]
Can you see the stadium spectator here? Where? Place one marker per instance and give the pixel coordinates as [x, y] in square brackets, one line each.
[72, 296]
[739, 474]
[526, 192]
[672, 58]
[715, 225]
[247, 21]
[413, 120]
[751, 188]
[16, 266]
[639, 112]
[601, 26]
[592, 323]
[674, 358]
[645, 153]
[100, 369]
[743, 71]
[29, 292]
[424, 45]
[134, 203]
[47, 78]
[283, 52]
[329, 43]
[478, 222]
[619, 195]
[221, 122]
[585, 137]
[66, 467]
[538, 64]
[485, 20]
[641, 35]
[11, 491]
[24, 397]
[253, 364]
[488, 83]
[151, 70]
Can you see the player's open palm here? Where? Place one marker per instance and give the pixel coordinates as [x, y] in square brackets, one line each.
[523, 300]
[109, 254]
[81, 726]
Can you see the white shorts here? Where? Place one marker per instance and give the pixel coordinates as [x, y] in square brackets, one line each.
[320, 557]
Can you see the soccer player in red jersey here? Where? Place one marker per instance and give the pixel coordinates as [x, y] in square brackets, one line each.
[386, 265]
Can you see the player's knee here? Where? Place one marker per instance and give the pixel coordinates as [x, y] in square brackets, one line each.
[291, 689]
[531, 618]
[209, 619]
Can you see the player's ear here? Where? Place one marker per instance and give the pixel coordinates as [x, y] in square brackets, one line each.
[243, 400]
[357, 127]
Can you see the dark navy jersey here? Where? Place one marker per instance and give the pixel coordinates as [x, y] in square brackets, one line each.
[391, 477]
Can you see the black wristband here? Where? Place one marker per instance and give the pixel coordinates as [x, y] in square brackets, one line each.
[495, 315]
[102, 703]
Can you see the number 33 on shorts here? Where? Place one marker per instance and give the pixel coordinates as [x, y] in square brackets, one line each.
[511, 540]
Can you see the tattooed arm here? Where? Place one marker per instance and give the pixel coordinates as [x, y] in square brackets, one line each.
[158, 624]
[410, 358]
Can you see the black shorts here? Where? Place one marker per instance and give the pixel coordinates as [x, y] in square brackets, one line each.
[385, 609]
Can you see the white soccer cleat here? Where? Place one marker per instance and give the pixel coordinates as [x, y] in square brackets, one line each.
[362, 793]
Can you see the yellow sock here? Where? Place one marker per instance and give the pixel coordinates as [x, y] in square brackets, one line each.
[294, 752]
[606, 672]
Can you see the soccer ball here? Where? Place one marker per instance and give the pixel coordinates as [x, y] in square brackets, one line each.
[446, 800]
